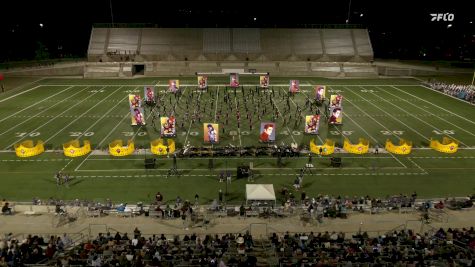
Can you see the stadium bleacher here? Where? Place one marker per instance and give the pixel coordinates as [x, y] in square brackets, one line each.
[362, 44]
[285, 50]
[338, 44]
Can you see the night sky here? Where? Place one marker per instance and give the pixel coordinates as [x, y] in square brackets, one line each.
[398, 29]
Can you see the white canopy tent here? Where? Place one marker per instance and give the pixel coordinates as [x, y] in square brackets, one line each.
[264, 192]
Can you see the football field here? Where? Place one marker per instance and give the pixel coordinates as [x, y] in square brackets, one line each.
[60, 110]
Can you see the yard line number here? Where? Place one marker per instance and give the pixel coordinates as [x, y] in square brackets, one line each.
[24, 134]
[445, 132]
[75, 134]
[384, 132]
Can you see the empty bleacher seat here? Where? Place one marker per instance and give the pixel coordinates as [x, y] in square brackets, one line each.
[246, 40]
[217, 40]
[362, 43]
[338, 42]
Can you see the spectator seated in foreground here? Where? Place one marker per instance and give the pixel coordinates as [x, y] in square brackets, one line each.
[6, 210]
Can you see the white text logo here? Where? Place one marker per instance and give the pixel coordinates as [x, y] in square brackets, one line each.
[442, 17]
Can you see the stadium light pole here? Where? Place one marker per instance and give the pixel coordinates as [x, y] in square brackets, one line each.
[349, 10]
[112, 14]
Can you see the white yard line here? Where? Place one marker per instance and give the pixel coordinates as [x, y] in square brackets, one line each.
[26, 91]
[36, 115]
[409, 127]
[419, 167]
[103, 116]
[36, 103]
[451, 96]
[270, 168]
[127, 115]
[46, 123]
[102, 141]
[364, 112]
[216, 109]
[428, 124]
[428, 102]
[141, 126]
[232, 158]
[239, 129]
[267, 174]
[69, 162]
[80, 116]
[319, 138]
[191, 121]
[426, 111]
[288, 129]
[394, 157]
[376, 141]
[216, 85]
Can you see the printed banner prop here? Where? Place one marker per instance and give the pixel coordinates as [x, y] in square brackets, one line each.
[361, 147]
[167, 126]
[202, 82]
[264, 81]
[74, 149]
[27, 148]
[326, 149]
[448, 145]
[149, 94]
[158, 147]
[234, 80]
[403, 148]
[173, 86]
[294, 86]
[335, 101]
[135, 101]
[137, 116]
[320, 91]
[267, 132]
[336, 115]
[211, 133]
[117, 149]
[312, 122]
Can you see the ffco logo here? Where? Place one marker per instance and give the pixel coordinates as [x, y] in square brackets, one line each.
[442, 16]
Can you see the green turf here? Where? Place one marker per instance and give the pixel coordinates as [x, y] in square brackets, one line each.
[59, 110]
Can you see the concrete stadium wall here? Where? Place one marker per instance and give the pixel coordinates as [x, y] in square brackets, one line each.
[56, 70]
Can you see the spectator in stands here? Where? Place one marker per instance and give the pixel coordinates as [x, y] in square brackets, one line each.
[137, 233]
[197, 199]
[439, 205]
[6, 210]
[242, 210]
[214, 205]
[465, 92]
[58, 209]
[121, 207]
[159, 198]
